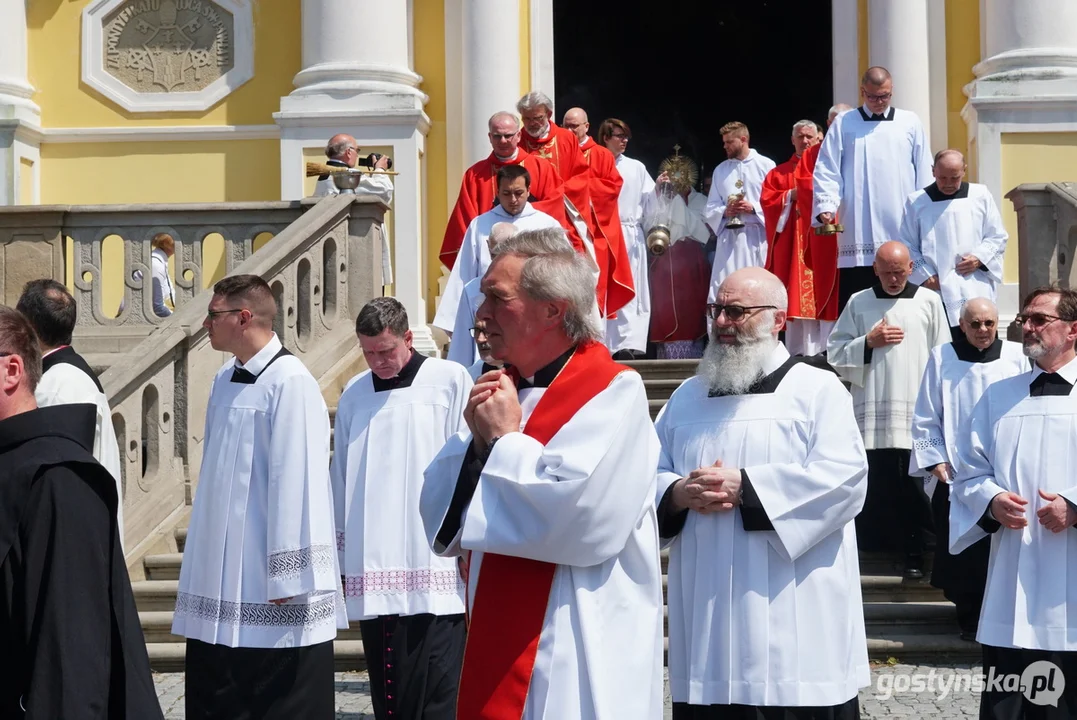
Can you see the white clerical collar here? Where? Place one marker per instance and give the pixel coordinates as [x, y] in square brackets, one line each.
[261, 358]
[510, 158]
[869, 113]
[776, 359]
[527, 210]
[1067, 371]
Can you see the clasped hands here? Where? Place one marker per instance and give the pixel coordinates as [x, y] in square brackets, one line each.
[1009, 509]
[708, 489]
[493, 409]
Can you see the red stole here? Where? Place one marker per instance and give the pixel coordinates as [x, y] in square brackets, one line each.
[513, 593]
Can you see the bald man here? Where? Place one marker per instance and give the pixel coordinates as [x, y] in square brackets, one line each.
[758, 514]
[870, 161]
[880, 345]
[343, 151]
[956, 377]
[955, 236]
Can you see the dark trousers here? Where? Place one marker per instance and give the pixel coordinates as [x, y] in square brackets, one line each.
[224, 683]
[849, 710]
[896, 515]
[998, 704]
[414, 663]
[851, 281]
[962, 577]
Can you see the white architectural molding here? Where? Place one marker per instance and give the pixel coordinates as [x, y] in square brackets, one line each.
[939, 120]
[491, 67]
[99, 50]
[845, 49]
[20, 117]
[159, 133]
[898, 40]
[454, 99]
[541, 39]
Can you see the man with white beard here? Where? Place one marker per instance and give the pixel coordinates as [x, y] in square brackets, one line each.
[761, 474]
[956, 376]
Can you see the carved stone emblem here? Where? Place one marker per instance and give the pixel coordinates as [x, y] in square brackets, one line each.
[155, 55]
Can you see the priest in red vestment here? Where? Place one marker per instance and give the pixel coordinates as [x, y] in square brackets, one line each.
[478, 191]
[786, 244]
[615, 286]
[821, 251]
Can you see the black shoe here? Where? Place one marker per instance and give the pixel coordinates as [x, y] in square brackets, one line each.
[914, 567]
[912, 573]
[968, 635]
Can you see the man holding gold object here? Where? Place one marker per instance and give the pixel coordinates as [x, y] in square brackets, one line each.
[343, 151]
[733, 209]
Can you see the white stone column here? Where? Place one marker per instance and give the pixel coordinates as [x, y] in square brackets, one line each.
[898, 40]
[491, 69]
[357, 79]
[20, 118]
[845, 49]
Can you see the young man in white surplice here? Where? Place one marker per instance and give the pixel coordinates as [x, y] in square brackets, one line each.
[761, 474]
[734, 211]
[1015, 482]
[391, 421]
[260, 596]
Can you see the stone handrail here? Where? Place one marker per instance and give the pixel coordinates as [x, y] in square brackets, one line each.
[322, 268]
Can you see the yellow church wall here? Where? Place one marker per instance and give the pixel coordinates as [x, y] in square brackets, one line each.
[54, 39]
[1032, 158]
[962, 52]
[862, 34]
[525, 49]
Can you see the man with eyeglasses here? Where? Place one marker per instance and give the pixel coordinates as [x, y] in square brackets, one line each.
[343, 151]
[761, 474]
[956, 237]
[880, 345]
[870, 161]
[956, 377]
[1015, 482]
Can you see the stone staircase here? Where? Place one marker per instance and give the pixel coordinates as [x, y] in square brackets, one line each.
[907, 619]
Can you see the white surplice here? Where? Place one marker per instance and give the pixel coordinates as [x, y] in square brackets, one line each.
[941, 229]
[383, 441]
[65, 384]
[768, 617]
[462, 346]
[474, 256]
[262, 523]
[631, 328]
[865, 172]
[950, 389]
[1021, 444]
[747, 246]
[585, 502]
[886, 380]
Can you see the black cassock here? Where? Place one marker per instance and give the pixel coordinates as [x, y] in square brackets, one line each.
[69, 631]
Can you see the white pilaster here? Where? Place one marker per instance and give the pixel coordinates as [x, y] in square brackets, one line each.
[20, 118]
[357, 79]
[490, 60]
[845, 50]
[898, 40]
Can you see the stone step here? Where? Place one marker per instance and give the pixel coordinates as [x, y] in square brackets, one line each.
[915, 648]
[910, 617]
[663, 369]
[655, 407]
[163, 567]
[168, 657]
[895, 588]
[155, 595]
[661, 389]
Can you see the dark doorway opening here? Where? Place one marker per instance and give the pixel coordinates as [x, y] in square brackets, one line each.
[677, 71]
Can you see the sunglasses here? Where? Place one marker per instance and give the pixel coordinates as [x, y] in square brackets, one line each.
[977, 324]
[1037, 320]
[734, 313]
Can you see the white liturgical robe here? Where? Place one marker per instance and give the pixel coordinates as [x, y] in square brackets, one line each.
[956, 377]
[462, 346]
[629, 330]
[866, 170]
[940, 229]
[770, 615]
[584, 502]
[262, 523]
[885, 380]
[1021, 444]
[386, 433]
[747, 246]
[474, 256]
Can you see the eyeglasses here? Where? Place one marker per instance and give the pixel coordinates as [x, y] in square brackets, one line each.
[572, 126]
[734, 313]
[619, 136]
[878, 98]
[503, 136]
[476, 331]
[1038, 320]
[977, 324]
[213, 314]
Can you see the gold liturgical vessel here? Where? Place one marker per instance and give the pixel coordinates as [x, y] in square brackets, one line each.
[735, 222]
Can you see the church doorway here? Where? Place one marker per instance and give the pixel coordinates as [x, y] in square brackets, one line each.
[677, 71]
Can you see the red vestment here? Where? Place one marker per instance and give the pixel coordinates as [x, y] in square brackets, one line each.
[821, 251]
[680, 280]
[478, 194]
[615, 286]
[785, 248]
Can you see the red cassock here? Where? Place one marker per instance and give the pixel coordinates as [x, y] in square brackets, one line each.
[615, 286]
[821, 251]
[786, 248]
[680, 280]
[478, 194]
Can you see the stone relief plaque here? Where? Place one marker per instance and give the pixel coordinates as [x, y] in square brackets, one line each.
[161, 55]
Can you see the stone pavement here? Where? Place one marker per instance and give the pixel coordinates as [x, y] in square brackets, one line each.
[893, 693]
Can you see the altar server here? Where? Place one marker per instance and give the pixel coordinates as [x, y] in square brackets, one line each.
[259, 596]
[551, 495]
[761, 474]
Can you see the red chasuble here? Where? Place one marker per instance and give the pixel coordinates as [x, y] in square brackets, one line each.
[615, 286]
[785, 249]
[680, 280]
[820, 251]
[512, 593]
[478, 194]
